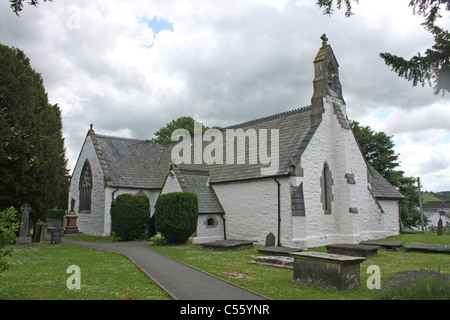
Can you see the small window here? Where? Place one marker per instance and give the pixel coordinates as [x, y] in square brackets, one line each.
[85, 188]
[326, 184]
[211, 222]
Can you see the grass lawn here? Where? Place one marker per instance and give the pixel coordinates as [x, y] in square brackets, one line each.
[38, 271]
[278, 284]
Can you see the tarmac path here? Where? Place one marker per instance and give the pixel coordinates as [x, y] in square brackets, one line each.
[179, 280]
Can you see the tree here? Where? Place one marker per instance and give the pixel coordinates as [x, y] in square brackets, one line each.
[32, 153]
[434, 66]
[9, 224]
[378, 150]
[17, 5]
[164, 134]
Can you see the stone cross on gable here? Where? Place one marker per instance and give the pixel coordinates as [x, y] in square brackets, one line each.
[324, 40]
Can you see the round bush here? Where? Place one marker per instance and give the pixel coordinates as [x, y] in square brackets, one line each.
[130, 216]
[176, 216]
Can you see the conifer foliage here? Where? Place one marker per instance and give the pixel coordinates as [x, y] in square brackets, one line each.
[32, 154]
[432, 67]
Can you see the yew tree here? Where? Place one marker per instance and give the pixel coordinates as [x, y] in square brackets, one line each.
[32, 153]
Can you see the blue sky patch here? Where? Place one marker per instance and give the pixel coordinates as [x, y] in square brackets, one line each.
[383, 113]
[157, 24]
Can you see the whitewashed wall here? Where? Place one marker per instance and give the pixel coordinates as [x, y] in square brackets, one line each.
[89, 223]
[251, 209]
[336, 146]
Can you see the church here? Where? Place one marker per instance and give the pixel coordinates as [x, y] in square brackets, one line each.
[317, 190]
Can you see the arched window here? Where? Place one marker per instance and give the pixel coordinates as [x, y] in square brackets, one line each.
[326, 184]
[85, 188]
[211, 222]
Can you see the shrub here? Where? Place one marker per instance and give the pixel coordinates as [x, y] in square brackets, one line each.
[9, 224]
[130, 216]
[176, 216]
[416, 285]
[157, 241]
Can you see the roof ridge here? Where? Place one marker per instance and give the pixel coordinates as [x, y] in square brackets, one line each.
[122, 138]
[192, 170]
[301, 109]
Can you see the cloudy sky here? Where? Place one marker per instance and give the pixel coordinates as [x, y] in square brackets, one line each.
[130, 67]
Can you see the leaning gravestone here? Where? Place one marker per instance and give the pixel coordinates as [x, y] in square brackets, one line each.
[24, 237]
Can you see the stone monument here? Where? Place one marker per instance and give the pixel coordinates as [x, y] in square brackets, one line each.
[24, 237]
[439, 229]
[71, 227]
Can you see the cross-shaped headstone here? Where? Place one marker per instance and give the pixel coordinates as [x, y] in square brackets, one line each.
[24, 238]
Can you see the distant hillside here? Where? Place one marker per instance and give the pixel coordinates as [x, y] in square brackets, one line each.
[435, 196]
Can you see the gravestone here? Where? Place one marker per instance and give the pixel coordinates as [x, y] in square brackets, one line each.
[439, 229]
[270, 240]
[24, 237]
[55, 236]
[40, 229]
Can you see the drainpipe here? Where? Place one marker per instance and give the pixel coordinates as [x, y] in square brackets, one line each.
[224, 230]
[112, 194]
[279, 213]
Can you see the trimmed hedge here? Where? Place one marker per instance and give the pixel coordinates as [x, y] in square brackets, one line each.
[176, 216]
[130, 214]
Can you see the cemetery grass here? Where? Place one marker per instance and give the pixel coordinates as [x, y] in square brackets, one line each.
[278, 283]
[38, 272]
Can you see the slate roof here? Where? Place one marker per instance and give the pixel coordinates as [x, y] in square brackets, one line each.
[138, 163]
[198, 182]
[293, 128]
[381, 188]
[129, 162]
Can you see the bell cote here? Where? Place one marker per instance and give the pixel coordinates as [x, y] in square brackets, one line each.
[326, 78]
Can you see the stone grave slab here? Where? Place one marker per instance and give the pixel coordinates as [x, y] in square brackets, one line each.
[228, 245]
[278, 251]
[274, 261]
[355, 250]
[386, 245]
[428, 248]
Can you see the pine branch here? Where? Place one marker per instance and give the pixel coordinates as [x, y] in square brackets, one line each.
[433, 66]
[17, 5]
